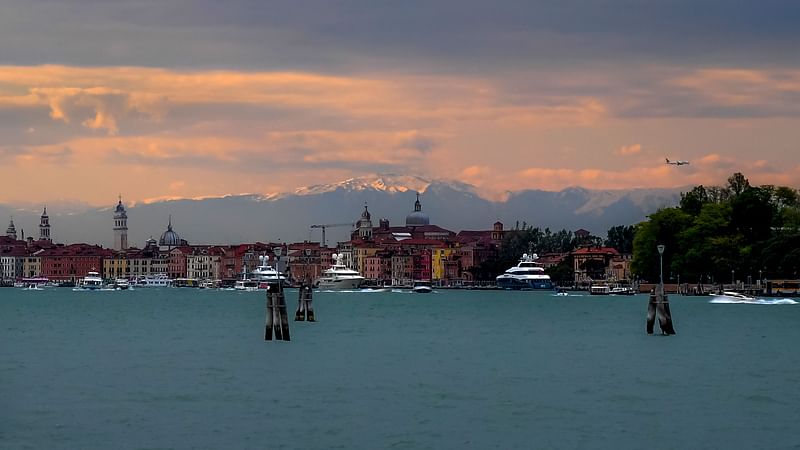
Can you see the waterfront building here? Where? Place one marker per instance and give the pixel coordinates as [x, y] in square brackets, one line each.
[177, 262]
[201, 263]
[116, 266]
[592, 263]
[12, 260]
[32, 264]
[120, 227]
[302, 267]
[72, 262]
[44, 226]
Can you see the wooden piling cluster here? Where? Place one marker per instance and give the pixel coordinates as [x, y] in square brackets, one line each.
[277, 320]
[304, 309]
[659, 305]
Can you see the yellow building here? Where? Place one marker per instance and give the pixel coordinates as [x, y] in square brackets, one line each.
[32, 266]
[116, 266]
[438, 260]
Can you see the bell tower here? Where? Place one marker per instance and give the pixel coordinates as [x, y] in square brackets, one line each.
[44, 226]
[120, 226]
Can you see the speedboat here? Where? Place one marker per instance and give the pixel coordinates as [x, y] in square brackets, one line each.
[527, 274]
[562, 292]
[122, 283]
[265, 275]
[734, 296]
[339, 276]
[91, 282]
[422, 287]
[246, 285]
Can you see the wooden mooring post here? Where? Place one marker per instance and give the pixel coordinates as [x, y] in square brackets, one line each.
[304, 309]
[659, 305]
[277, 320]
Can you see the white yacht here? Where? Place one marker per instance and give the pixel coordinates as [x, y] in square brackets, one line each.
[157, 280]
[339, 276]
[92, 281]
[264, 274]
[527, 274]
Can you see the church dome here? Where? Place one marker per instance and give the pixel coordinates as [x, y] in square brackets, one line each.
[169, 238]
[417, 218]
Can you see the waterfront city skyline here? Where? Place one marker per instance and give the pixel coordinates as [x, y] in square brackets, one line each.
[196, 99]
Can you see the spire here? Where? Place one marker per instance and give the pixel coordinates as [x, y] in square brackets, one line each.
[417, 204]
[11, 231]
[169, 225]
[44, 214]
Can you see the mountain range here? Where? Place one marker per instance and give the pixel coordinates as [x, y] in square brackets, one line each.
[287, 217]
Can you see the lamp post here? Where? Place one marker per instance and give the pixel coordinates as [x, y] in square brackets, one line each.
[660, 248]
[733, 278]
[307, 253]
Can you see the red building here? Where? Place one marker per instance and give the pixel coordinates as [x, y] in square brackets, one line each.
[72, 262]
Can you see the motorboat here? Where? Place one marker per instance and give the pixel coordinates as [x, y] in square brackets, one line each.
[265, 275]
[122, 284]
[562, 292]
[422, 287]
[157, 280]
[527, 274]
[734, 296]
[36, 283]
[91, 282]
[246, 285]
[339, 276]
[620, 289]
[599, 289]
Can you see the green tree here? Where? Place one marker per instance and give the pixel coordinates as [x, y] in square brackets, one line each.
[692, 202]
[737, 184]
[662, 228]
[620, 237]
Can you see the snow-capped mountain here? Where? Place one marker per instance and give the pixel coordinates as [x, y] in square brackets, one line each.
[288, 216]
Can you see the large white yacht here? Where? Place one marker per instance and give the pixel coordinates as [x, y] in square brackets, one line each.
[527, 274]
[339, 276]
[264, 274]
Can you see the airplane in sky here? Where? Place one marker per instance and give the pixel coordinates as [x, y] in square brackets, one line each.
[679, 162]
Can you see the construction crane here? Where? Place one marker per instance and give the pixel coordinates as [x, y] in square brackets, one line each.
[330, 225]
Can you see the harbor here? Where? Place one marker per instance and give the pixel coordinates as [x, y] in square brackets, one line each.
[158, 368]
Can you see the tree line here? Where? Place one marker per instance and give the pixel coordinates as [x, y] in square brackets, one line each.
[723, 233]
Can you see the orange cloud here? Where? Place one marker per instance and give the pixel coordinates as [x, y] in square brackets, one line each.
[633, 149]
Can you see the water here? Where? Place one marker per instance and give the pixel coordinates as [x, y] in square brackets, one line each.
[184, 368]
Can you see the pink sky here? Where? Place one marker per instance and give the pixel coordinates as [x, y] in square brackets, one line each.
[98, 100]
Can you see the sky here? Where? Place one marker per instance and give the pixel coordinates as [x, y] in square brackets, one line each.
[156, 99]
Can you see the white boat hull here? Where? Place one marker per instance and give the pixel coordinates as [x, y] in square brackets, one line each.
[340, 283]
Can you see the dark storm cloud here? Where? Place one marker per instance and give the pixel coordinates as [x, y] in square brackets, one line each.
[431, 35]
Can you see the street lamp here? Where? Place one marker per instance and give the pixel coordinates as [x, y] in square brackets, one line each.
[660, 248]
[307, 253]
[733, 278]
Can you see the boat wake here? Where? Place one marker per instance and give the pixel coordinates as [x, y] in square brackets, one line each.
[754, 301]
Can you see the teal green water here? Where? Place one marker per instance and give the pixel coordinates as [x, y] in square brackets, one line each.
[182, 368]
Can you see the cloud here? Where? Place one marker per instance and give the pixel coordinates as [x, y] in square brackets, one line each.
[626, 150]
